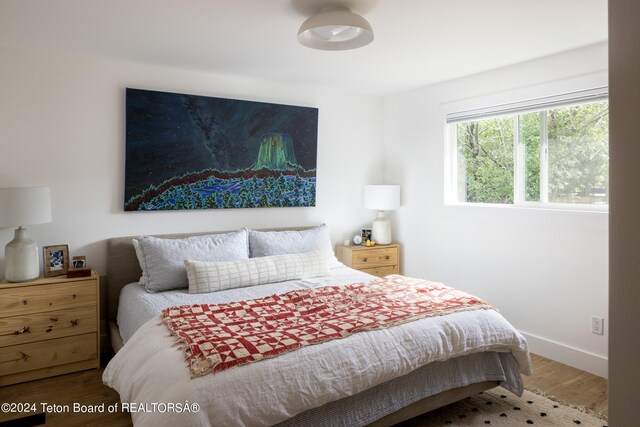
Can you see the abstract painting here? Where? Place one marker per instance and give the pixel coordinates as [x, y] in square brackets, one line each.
[197, 152]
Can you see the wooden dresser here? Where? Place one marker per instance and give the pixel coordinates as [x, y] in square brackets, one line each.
[379, 260]
[48, 327]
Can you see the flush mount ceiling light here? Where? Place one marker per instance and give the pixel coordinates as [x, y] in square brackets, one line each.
[335, 28]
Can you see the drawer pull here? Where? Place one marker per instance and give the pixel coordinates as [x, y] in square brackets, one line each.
[24, 330]
[75, 350]
[24, 302]
[364, 259]
[49, 329]
[74, 322]
[387, 257]
[54, 319]
[73, 296]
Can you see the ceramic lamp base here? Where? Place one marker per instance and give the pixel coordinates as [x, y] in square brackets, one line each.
[381, 229]
[21, 258]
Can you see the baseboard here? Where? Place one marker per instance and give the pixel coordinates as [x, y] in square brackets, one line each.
[593, 363]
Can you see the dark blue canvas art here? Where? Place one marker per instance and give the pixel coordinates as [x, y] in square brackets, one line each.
[196, 152]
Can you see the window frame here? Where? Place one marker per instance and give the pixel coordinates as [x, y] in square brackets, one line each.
[452, 170]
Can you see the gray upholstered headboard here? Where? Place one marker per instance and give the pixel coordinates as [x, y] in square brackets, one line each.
[123, 267]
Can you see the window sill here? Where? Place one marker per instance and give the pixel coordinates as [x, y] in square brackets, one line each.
[532, 206]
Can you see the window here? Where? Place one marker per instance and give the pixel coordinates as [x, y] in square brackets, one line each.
[550, 152]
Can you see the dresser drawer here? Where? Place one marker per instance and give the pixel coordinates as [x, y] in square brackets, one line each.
[382, 271]
[35, 299]
[45, 326]
[374, 258]
[44, 354]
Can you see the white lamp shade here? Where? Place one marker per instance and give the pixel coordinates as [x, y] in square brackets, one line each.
[335, 28]
[382, 197]
[24, 206]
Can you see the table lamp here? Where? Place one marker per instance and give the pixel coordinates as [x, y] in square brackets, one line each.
[23, 206]
[381, 198]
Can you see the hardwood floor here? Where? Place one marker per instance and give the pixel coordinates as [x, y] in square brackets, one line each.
[84, 388]
[568, 384]
[565, 383]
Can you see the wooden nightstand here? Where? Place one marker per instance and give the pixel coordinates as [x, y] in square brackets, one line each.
[379, 260]
[48, 327]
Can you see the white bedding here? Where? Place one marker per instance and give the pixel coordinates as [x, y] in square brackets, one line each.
[151, 369]
[136, 306]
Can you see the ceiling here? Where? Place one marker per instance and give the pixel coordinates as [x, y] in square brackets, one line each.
[417, 42]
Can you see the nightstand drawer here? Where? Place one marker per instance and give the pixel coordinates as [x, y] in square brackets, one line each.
[35, 299]
[44, 354]
[375, 258]
[45, 326]
[382, 271]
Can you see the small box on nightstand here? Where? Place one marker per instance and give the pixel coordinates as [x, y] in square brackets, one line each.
[78, 272]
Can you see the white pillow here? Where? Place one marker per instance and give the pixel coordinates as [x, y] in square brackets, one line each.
[267, 243]
[143, 279]
[222, 275]
[162, 260]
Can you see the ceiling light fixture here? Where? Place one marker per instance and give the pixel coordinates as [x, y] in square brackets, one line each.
[335, 28]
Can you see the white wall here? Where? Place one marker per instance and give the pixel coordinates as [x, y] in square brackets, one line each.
[546, 271]
[62, 124]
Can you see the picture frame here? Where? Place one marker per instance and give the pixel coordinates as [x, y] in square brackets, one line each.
[365, 233]
[56, 260]
[271, 162]
[79, 261]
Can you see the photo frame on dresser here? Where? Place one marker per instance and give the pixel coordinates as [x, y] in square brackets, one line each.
[365, 233]
[79, 261]
[56, 260]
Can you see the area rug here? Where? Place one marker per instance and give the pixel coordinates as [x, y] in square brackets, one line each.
[498, 407]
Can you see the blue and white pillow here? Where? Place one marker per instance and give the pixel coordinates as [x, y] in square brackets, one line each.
[267, 243]
[162, 260]
[222, 275]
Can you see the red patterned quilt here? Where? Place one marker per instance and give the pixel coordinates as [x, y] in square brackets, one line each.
[220, 336]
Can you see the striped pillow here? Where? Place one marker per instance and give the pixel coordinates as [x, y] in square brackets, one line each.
[211, 276]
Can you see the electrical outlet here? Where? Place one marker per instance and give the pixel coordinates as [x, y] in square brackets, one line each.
[597, 325]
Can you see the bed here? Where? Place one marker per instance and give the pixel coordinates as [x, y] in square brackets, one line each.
[374, 378]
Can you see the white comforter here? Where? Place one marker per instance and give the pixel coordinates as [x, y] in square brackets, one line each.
[150, 369]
